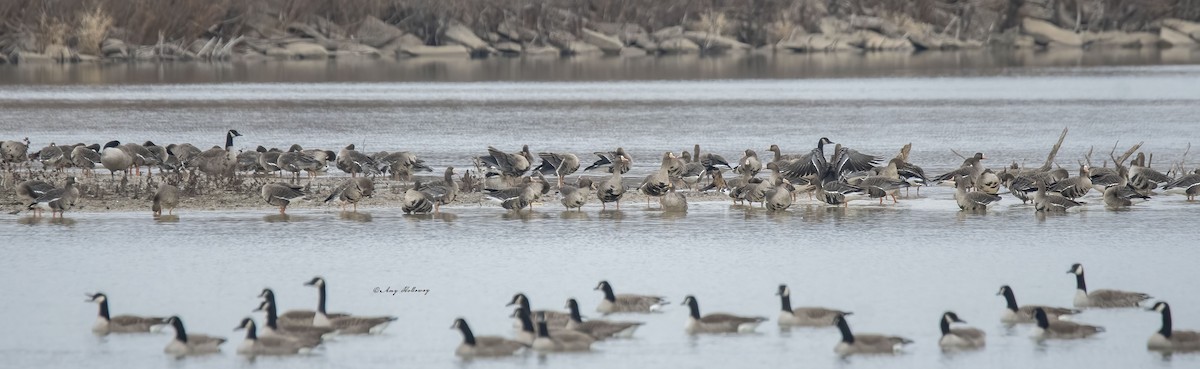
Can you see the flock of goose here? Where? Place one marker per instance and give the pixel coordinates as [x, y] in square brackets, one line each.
[545, 331]
[511, 179]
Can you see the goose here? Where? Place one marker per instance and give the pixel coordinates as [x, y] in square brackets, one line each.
[57, 200]
[868, 343]
[1060, 329]
[1103, 177]
[52, 157]
[612, 188]
[190, 344]
[403, 164]
[505, 164]
[520, 197]
[657, 184]
[598, 328]
[1014, 314]
[269, 345]
[575, 197]
[972, 168]
[1102, 298]
[560, 164]
[749, 164]
[348, 192]
[142, 156]
[673, 201]
[86, 158]
[268, 160]
[1113, 199]
[294, 317]
[527, 327]
[717, 322]
[779, 156]
[114, 159]
[251, 161]
[1143, 177]
[1075, 187]
[1051, 202]
[1167, 339]
[959, 337]
[444, 192]
[186, 153]
[1189, 185]
[354, 162]
[804, 316]
[166, 197]
[972, 200]
[415, 201]
[106, 324]
[483, 345]
[306, 334]
[989, 182]
[627, 302]
[778, 198]
[909, 172]
[296, 160]
[609, 161]
[709, 159]
[557, 319]
[29, 191]
[14, 151]
[836, 191]
[559, 341]
[812, 163]
[219, 162]
[345, 324]
[880, 186]
[281, 194]
[718, 181]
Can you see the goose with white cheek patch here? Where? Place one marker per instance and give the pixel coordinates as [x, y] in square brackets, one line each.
[598, 328]
[190, 344]
[345, 324]
[959, 337]
[550, 341]
[627, 302]
[1014, 314]
[473, 345]
[804, 316]
[106, 323]
[866, 343]
[1061, 329]
[1167, 339]
[717, 322]
[255, 345]
[1102, 298]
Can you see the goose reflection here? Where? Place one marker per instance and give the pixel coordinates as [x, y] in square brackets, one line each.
[166, 218]
[355, 216]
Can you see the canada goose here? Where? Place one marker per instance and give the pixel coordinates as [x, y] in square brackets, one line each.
[1075, 187]
[347, 193]
[717, 322]
[219, 162]
[14, 151]
[598, 328]
[627, 302]
[294, 317]
[1014, 314]
[304, 334]
[865, 343]
[612, 188]
[190, 344]
[673, 201]
[1060, 329]
[483, 345]
[345, 324]
[86, 158]
[354, 162]
[749, 164]
[167, 197]
[505, 164]
[804, 316]
[559, 164]
[556, 319]
[527, 328]
[281, 194]
[29, 191]
[972, 200]
[106, 324]
[1102, 298]
[656, 184]
[114, 159]
[1167, 339]
[57, 200]
[1051, 202]
[1189, 185]
[575, 197]
[269, 345]
[959, 337]
[610, 160]
[559, 342]
[403, 164]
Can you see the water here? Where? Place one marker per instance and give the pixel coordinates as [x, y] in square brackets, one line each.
[898, 267]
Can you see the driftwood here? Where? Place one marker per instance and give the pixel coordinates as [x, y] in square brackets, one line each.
[1054, 151]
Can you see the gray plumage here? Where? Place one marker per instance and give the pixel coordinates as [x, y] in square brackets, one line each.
[559, 164]
[354, 162]
[656, 184]
[612, 188]
[1075, 187]
[627, 302]
[673, 201]
[972, 200]
[402, 165]
[281, 194]
[114, 159]
[255, 345]
[218, 162]
[865, 343]
[473, 345]
[106, 323]
[598, 328]
[1051, 202]
[749, 164]
[512, 165]
[14, 151]
[166, 197]
[1169, 339]
[190, 344]
[556, 319]
[349, 192]
[609, 161]
[1189, 185]
[86, 157]
[576, 196]
[1102, 298]
[1061, 329]
[551, 341]
[1023, 314]
[959, 337]
[58, 200]
[717, 322]
[804, 316]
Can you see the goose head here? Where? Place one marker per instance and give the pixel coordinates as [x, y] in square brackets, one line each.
[1159, 307]
[1003, 290]
[295, 148]
[518, 298]
[247, 323]
[111, 144]
[951, 317]
[823, 141]
[1076, 269]
[586, 183]
[234, 133]
[267, 293]
[263, 306]
[316, 282]
[97, 297]
[783, 290]
[459, 323]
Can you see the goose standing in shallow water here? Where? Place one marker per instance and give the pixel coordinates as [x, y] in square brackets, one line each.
[167, 197]
[483, 345]
[58, 200]
[576, 196]
[1075, 187]
[190, 344]
[1051, 202]
[717, 322]
[749, 164]
[269, 345]
[804, 316]
[867, 343]
[29, 191]
[345, 324]
[612, 188]
[559, 164]
[627, 302]
[348, 192]
[1168, 339]
[673, 201]
[598, 328]
[972, 200]
[106, 323]
[657, 184]
[1014, 314]
[1189, 185]
[1102, 298]
[281, 194]
[1060, 329]
[959, 337]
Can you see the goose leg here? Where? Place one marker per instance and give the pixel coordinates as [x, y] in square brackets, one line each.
[894, 199]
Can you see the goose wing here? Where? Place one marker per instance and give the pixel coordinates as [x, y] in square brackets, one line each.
[1117, 297]
[1187, 181]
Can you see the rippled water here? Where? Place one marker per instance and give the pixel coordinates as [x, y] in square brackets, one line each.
[898, 267]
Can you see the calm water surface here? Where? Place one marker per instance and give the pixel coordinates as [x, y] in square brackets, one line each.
[898, 267]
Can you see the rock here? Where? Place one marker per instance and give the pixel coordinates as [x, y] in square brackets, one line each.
[668, 33]
[815, 43]
[626, 32]
[375, 32]
[1122, 39]
[580, 48]
[85, 58]
[678, 45]
[29, 57]
[544, 50]
[633, 51]
[876, 24]
[508, 48]
[874, 41]
[606, 43]
[1046, 33]
[356, 49]
[279, 53]
[834, 26]
[307, 50]
[560, 38]
[1190, 29]
[113, 48]
[714, 42]
[514, 31]
[58, 53]
[462, 35]
[1175, 38]
[645, 42]
[447, 51]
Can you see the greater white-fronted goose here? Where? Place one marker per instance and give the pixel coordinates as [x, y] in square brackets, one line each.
[86, 158]
[190, 344]
[269, 345]
[609, 161]
[972, 200]
[559, 164]
[520, 197]
[749, 163]
[282, 194]
[166, 197]
[472, 345]
[576, 196]
[345, 324]
[709, 159]
[106, 323]
[1023, 314]
[142, 156]
[557, 319]
[865, 343]
[717, 322]
[304, 333]
[972, 168]
[1102, 298]
[1060, 329]
[909, 172]
[416, 201]
[880, 186]
[1051, 202]
[778, 198]
[656, 184]
[57, 200]
[268, 159]
[1168, 339]
[959, 337]
[1113, 199]
[347, 193]
[673, 201]
[52, 157]
[114, 159]
[1142, 176]
[247, 160]
[402, 165]
[14, 151]
[598, 328]
[560, 341]
[627, 302]
[294, 317]
[804, 316]
[1189, 185]
[296, 160]
[444, 192]
[29, 191]
[219, 162]
[506, 164]
[186, 153]
[612, 188]
[779, 156]
[354, 162]
[1075, 187]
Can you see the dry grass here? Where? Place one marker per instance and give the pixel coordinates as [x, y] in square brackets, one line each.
[93, 28]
